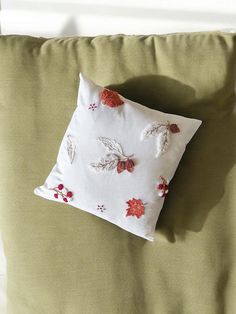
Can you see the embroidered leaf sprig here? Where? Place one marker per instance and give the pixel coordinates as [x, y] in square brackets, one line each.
[163, 141]
[111, 145]
[162, 132]
[153, 129]
[106, 163]
[114, 159]
[71, 148]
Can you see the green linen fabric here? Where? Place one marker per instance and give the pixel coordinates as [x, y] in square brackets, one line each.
[65, 261]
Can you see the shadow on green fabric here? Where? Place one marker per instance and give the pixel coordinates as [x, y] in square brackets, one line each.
[198, 184]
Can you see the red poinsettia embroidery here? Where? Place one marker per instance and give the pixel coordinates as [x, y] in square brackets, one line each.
[136, 208]
[110, 98]
[163, 187]
[62, 192]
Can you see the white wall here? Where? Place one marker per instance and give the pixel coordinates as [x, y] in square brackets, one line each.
[93, 17]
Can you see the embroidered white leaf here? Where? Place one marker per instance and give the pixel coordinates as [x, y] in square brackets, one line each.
[71, 147]
[163, 141]
[153, 129]
[111, 145]
[106, 163]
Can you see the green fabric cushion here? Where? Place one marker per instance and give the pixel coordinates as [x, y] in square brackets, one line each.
[63, 260]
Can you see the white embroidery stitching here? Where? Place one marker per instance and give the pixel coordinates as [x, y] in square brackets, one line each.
[114, 159]
[162, 132]
[71, 147]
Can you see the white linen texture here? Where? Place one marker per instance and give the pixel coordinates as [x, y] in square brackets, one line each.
[117, 158]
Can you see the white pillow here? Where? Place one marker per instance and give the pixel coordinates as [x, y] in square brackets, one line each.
[117, 158]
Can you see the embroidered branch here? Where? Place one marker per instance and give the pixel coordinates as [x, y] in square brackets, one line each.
[162, 132]
[114, 159]
[153, 129]
[70, 148]
[111, 145]
[106, 163]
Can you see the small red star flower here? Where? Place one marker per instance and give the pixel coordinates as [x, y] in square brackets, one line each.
[136, 208]
[110, 98]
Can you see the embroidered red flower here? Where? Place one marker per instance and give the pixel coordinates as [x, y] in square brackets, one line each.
[110, 98]
[62, 192]
[136, 208]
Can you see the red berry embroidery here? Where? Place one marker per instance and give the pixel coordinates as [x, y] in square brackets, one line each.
[163, 187]
[111, 98]
[62, 192]
[136, 208]
[126, 164]
[120, 166]
[69, 194]
[60, 186]
[129, 165]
